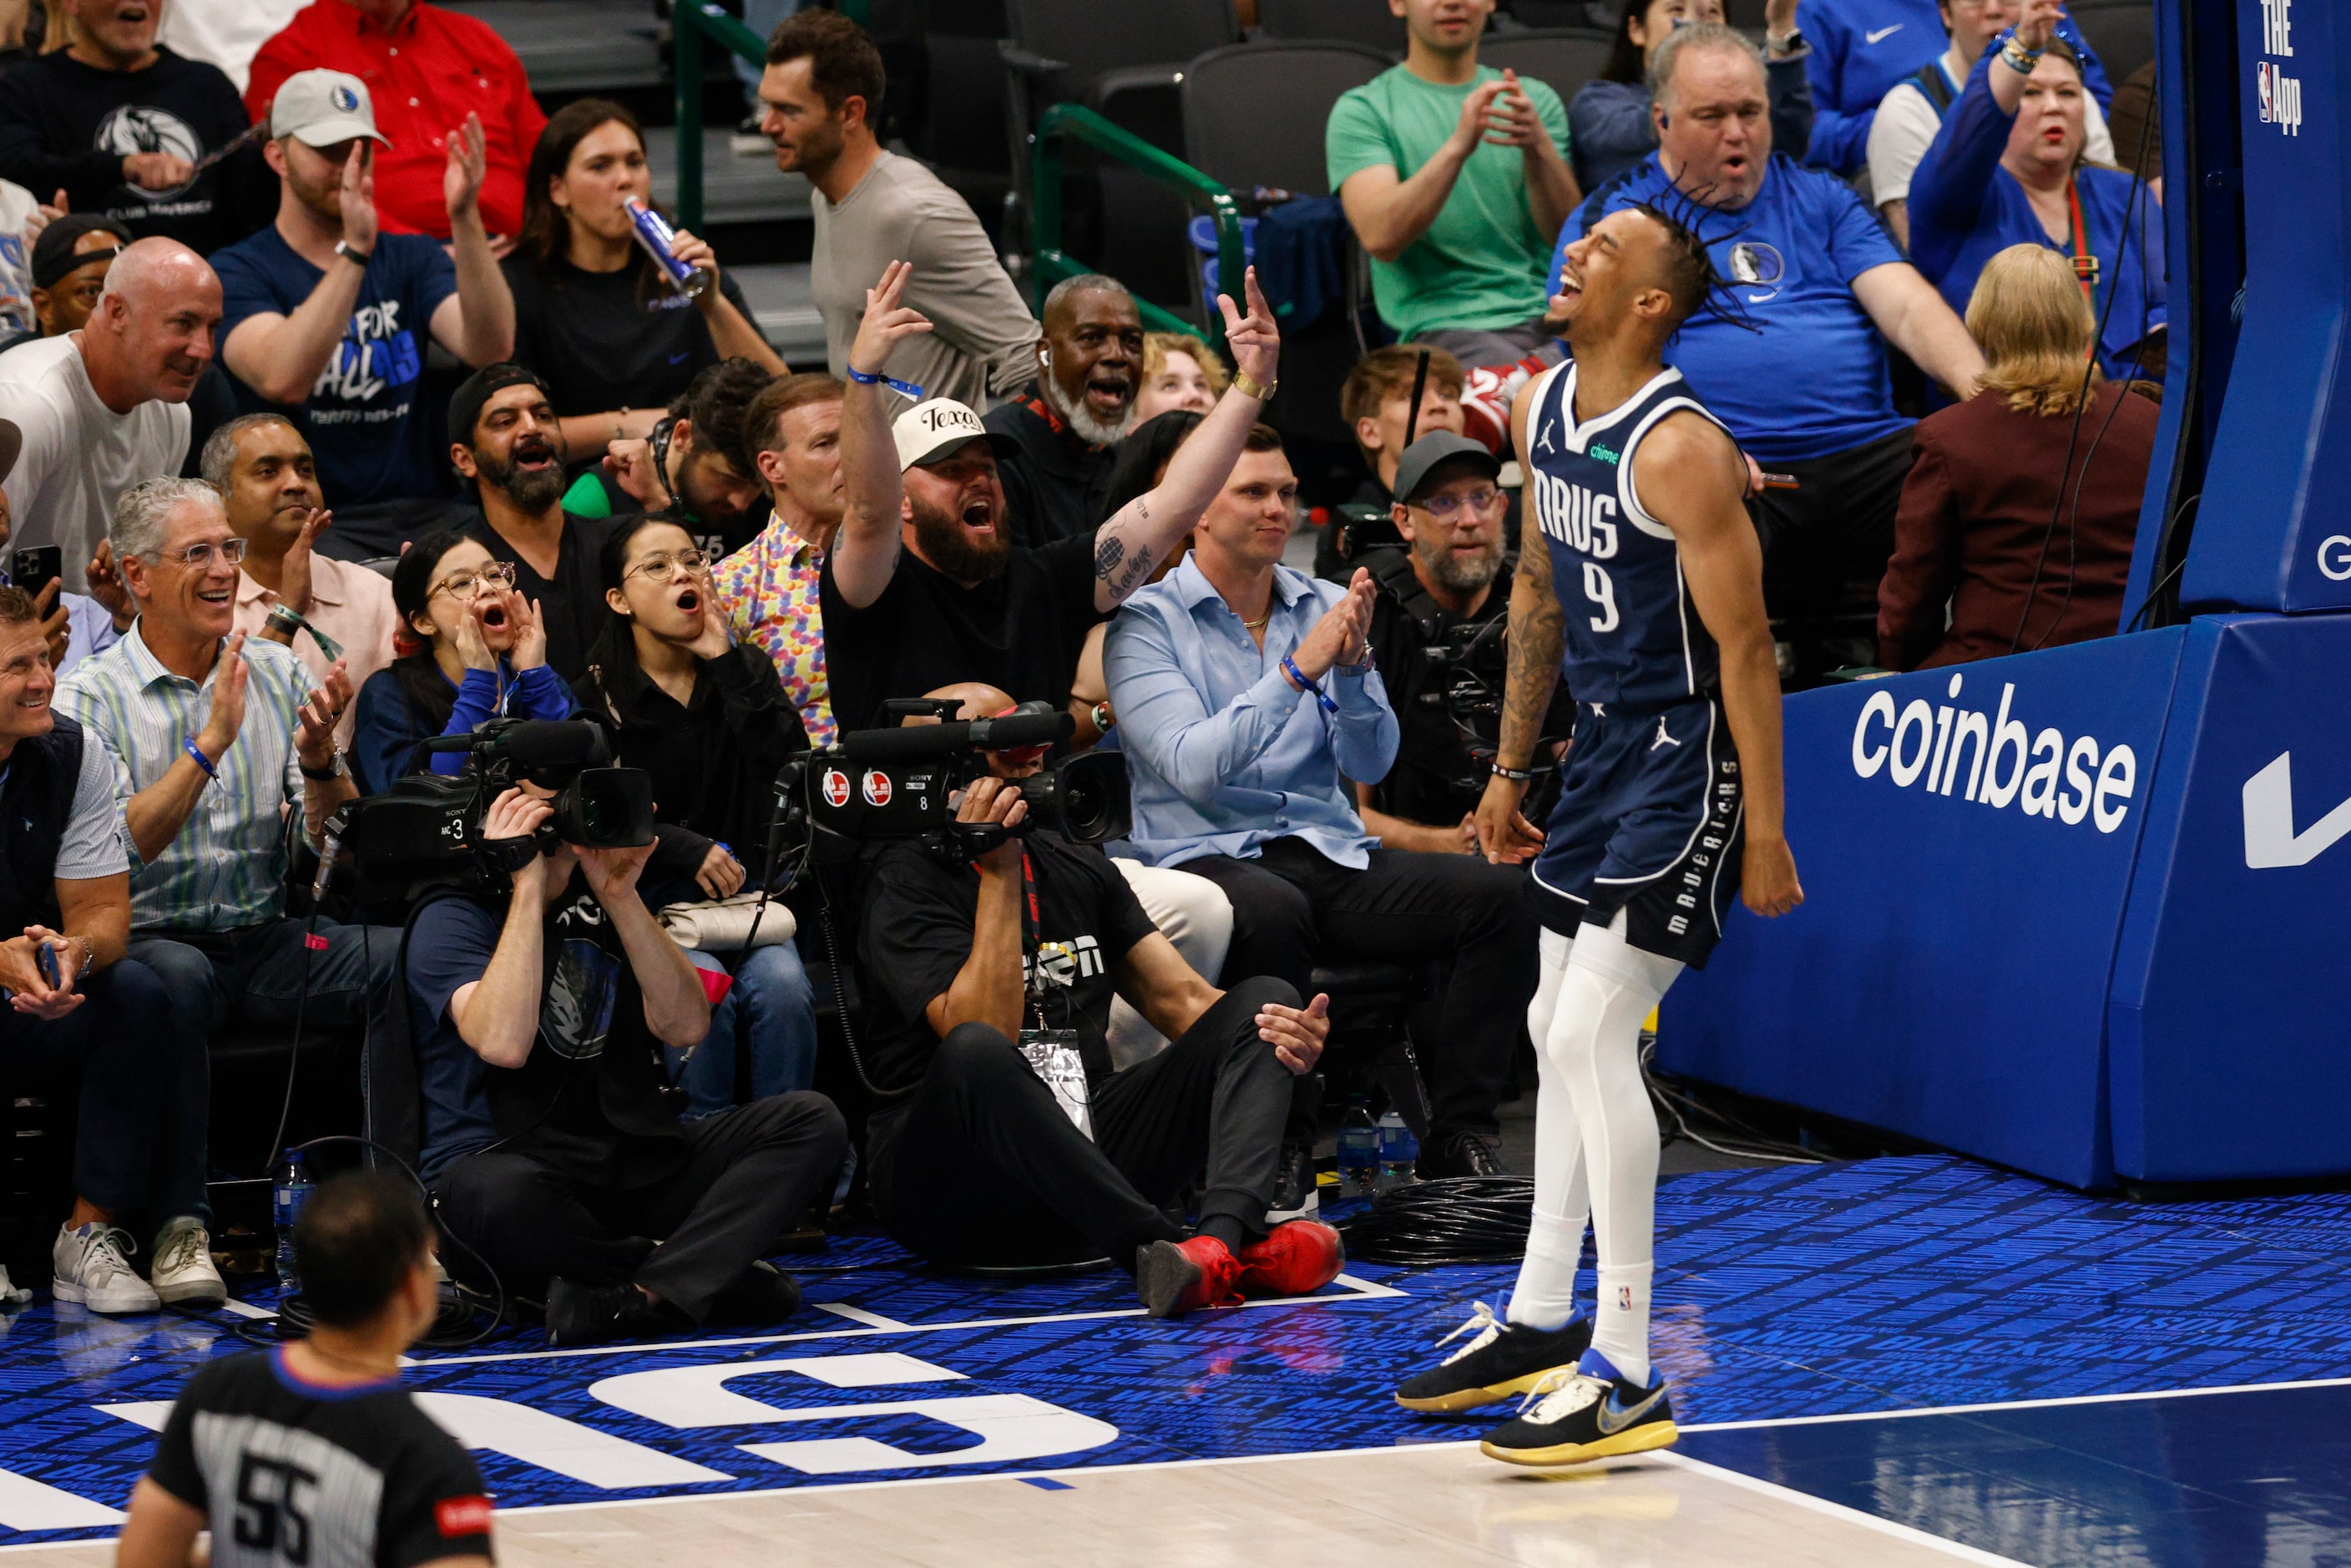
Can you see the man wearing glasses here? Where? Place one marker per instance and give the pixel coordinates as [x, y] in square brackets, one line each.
[507, 446]
[214, 737]
[1439, 622]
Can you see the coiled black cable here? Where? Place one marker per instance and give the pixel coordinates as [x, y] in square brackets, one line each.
[1452, 1219]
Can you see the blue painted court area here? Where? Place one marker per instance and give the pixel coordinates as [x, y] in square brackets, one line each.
[1882, 1293]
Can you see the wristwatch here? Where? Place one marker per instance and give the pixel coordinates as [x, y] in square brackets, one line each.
[1248, 385]
[352, 253]
[326, 775]
[1781, 49]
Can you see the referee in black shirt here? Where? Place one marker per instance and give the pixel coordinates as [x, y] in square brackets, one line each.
[312, 1455]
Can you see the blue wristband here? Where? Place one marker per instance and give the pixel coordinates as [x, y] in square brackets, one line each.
[1290, 667]
[862, 378]
[203, 761]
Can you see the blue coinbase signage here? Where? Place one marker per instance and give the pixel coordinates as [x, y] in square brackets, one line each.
[2078, 911]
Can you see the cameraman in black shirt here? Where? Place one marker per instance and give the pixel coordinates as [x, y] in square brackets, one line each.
[1439, 618]
[313, 1453]
[988, 987]
[551, 1140]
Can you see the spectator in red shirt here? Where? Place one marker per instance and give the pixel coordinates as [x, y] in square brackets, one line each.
[426, 69]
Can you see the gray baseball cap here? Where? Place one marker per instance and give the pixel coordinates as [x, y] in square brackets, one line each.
[1438, 446]
[321, 108]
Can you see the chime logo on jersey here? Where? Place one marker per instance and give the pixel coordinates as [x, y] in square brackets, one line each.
[877, 789]
[836, 787]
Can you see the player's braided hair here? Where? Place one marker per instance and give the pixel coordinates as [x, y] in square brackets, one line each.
[1691, 276]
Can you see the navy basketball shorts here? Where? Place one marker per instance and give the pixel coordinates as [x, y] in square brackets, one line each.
[1649, 821]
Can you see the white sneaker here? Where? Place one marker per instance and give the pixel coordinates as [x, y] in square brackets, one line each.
[92, 1266]
[184, 1272]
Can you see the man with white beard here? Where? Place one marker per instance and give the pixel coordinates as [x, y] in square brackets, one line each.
[1064, 427]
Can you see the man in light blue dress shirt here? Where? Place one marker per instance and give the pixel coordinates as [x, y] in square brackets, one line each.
[1247, 702]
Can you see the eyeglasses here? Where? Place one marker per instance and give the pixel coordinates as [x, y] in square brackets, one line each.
[664, 568]
[199, 557]
[1442, 507]
[498, 574]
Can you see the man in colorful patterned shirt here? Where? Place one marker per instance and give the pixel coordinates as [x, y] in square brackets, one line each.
[769, 588]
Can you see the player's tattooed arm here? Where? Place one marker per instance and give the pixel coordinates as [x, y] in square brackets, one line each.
[1536, 640]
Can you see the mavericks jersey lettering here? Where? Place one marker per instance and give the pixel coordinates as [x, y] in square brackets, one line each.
[1634, 638]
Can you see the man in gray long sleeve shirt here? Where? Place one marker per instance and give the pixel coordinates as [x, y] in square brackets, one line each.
[875, 207]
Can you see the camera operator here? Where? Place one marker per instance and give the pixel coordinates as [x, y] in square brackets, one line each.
[551, 1140]
[1447, 591]
[313, 1452]
[984, 1162]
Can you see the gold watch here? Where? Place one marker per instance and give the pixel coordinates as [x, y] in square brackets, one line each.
[1248, 385]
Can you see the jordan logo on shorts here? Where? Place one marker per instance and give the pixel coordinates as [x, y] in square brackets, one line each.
[1662, 739]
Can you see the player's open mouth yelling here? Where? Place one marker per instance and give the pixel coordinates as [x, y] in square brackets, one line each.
[534, 452]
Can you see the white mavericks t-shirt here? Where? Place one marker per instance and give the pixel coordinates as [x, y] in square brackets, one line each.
[79, 455]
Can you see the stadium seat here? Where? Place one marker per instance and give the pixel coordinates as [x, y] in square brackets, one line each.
[1561, 59]
[1367, 21]
[2121, 31]
[1124, 63]
[1254, 116]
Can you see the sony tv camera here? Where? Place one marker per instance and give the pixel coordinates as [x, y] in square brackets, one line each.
[905, 783]
[425, 830]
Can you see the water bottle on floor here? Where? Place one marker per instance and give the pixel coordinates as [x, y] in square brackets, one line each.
[1359, 1151]
[1398, 1150]
[287, 1196]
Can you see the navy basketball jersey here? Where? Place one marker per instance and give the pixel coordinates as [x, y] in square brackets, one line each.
[1633, 636]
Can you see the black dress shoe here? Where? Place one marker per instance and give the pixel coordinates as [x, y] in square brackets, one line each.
[594, 1315]
[761, 1295]
[1293, 1186]
[1461, 1155]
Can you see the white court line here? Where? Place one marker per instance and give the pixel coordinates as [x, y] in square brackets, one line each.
[2020, 1404]
[1966, 1552]
[1900, 1531]
[245, 1309]
[860, 1315]
[1358, 1289]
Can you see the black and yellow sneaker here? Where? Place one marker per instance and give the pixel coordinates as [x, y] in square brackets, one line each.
[1502, 1359]
[1580, 1416]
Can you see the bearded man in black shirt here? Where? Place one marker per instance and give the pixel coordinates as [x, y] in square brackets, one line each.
[1004, 1137]
[923, 586]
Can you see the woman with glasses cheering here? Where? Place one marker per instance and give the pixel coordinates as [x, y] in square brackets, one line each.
[710, 723]
[471, 648]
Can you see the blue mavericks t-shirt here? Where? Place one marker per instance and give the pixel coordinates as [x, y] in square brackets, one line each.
[1813, 381]
[361, 418]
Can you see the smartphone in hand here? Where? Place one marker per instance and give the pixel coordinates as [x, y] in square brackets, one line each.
[34, 570]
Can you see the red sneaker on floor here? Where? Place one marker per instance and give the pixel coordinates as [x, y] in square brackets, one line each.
[1175, 1277]
[1303, 1255]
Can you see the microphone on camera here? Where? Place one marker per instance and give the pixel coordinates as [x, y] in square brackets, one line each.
[921, 743]
[533, 744]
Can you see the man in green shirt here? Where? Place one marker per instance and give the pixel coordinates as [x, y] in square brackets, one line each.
[1455, 177]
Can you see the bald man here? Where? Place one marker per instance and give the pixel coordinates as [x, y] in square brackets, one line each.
[988, 987]
[1067, 424]
[105, 408]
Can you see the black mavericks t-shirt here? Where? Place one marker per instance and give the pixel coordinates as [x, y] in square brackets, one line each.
[292, 1474]
[589, 1100]
[1022, 632]
[916, 933]
[601, 342]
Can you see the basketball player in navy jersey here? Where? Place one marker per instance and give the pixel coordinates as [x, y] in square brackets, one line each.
[1648, 598]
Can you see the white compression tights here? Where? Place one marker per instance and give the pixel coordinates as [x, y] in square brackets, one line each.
[1595, 1138]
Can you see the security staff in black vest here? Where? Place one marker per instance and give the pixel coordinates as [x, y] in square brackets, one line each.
[75, 1008]
[1440, 620]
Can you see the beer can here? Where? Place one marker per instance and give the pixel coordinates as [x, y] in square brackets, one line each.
[654, 234]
